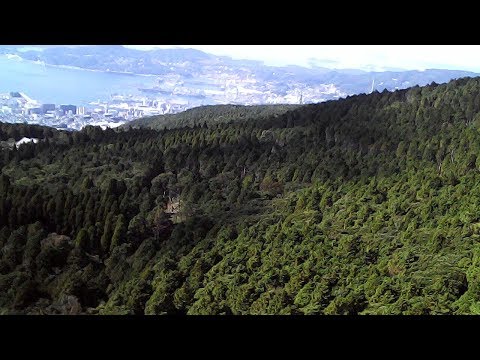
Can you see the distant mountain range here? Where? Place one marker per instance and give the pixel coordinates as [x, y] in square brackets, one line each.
[223, 80]
[118, 58]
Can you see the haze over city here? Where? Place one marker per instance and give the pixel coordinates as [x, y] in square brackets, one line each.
[115, 84]
[365, 57]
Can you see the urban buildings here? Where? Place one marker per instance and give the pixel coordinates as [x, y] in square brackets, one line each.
[17, 107]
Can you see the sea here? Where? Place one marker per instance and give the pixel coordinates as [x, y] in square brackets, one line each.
[58, 85]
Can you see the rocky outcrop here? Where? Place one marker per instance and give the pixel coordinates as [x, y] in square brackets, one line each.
[56, 241]
[173, 206]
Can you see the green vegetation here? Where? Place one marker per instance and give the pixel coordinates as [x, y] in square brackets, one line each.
[367, 205]
[210, 114]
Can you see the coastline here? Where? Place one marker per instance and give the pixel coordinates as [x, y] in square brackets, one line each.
[52, 84]
[97, 70]
[16, 57]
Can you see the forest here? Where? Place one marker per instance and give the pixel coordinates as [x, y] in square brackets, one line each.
[368, 205]
[209, 114]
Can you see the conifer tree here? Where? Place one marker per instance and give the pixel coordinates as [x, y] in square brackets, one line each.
[120, 232]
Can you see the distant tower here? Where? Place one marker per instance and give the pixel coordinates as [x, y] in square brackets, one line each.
[373, 86]
[301, 98]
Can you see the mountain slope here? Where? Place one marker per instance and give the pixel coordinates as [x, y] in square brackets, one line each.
[367, 205]
[209, 114]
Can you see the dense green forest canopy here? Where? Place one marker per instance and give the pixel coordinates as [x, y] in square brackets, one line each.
[366, 205]
[210, 114]
[18, 131]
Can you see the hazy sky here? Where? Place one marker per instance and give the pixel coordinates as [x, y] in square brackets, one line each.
[464, 57]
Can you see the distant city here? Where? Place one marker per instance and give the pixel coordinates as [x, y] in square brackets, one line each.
[171, 95]
[72, 87]
[18, 107]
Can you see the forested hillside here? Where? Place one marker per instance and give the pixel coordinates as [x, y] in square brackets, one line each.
[366, 205]
[211, 114]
